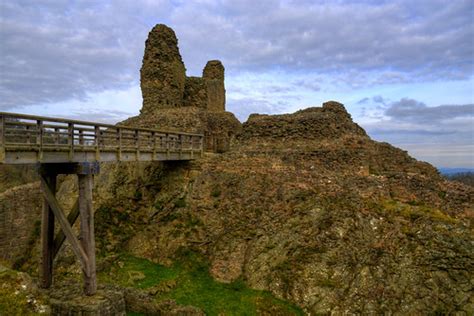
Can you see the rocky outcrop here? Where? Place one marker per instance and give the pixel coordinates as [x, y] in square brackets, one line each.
[334, 221]
[316, 123]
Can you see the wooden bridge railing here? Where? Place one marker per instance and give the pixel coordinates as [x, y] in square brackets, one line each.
[31, 139]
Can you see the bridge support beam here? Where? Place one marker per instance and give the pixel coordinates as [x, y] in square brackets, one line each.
[83, 249]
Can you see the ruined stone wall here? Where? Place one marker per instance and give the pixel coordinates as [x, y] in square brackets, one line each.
[195, 92]
[163, 74]
[20, 219]
[213, 75]
[163, 77]
[173, 101]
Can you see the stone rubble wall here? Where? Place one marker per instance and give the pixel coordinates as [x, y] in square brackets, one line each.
[163, 74]
[20, 216]
[173, 101]
[163, 77]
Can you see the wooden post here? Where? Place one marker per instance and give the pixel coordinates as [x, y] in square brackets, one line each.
[119, 144]
[2, 138]
[39, 139]
[2, 130]
[87, 231]
[70, 137]
[97, 142]
[47, 236]
[137, 145]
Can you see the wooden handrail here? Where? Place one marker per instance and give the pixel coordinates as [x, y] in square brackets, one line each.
[31, 133]
[78, 122]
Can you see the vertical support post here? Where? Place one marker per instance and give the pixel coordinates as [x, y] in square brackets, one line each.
[137, 144]
[87, 231]
[47, 236]
[97, 143]
[2, 130]
[28, 136]
[2, 138]
[119, 143]
[167, 146]
[81, 138]
[56, 135]
[153, 144]
[70, 137]
[39, 139]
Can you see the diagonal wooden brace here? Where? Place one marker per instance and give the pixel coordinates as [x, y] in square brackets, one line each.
[65, 226]
[60, 237]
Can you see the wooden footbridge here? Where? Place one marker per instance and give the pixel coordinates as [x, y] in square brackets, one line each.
[61, 146]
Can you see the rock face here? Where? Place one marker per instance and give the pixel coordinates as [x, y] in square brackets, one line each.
[163, 74]
[171, 100]
[331, 120]
[307, 206]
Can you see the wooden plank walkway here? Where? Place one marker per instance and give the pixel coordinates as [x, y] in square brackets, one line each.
[26, 139]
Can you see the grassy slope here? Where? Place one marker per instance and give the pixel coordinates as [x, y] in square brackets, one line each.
[190, 284]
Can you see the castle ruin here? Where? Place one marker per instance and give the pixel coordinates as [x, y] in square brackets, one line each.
[173, 101]
[163, 77]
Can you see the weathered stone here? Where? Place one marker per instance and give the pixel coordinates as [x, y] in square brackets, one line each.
[213, 75]
[20, 213]
[195, 92]
[70, 301]
[173, 101]
[163, 73]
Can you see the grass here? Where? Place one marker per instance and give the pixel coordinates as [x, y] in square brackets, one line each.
[192, 285]
[414, 210]
[14, 299]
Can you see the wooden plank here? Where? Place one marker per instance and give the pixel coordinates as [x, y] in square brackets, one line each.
[60, 237]
[63, 222]
[47, 235]
[87, 231]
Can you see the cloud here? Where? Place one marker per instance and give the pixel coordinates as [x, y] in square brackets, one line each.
[442, 135]
[58, 50]
[243, 107]
[414, 111]
[399, 40]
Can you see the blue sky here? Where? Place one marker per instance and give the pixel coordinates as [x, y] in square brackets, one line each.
[404, 69]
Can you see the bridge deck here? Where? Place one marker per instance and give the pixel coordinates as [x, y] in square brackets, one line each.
[26, 139]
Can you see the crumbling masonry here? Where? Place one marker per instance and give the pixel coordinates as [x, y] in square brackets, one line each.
[163, 77]
[176, 102]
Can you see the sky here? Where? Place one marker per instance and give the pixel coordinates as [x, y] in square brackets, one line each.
[404, 69]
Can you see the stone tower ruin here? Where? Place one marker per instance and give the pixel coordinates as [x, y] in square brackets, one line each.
[173, 101]
[163, 77]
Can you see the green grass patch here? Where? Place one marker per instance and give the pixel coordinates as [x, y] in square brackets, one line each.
[138, 272]
[189, 283]
[414, 210]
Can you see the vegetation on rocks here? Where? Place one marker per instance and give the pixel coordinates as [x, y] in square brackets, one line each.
[188, 283]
